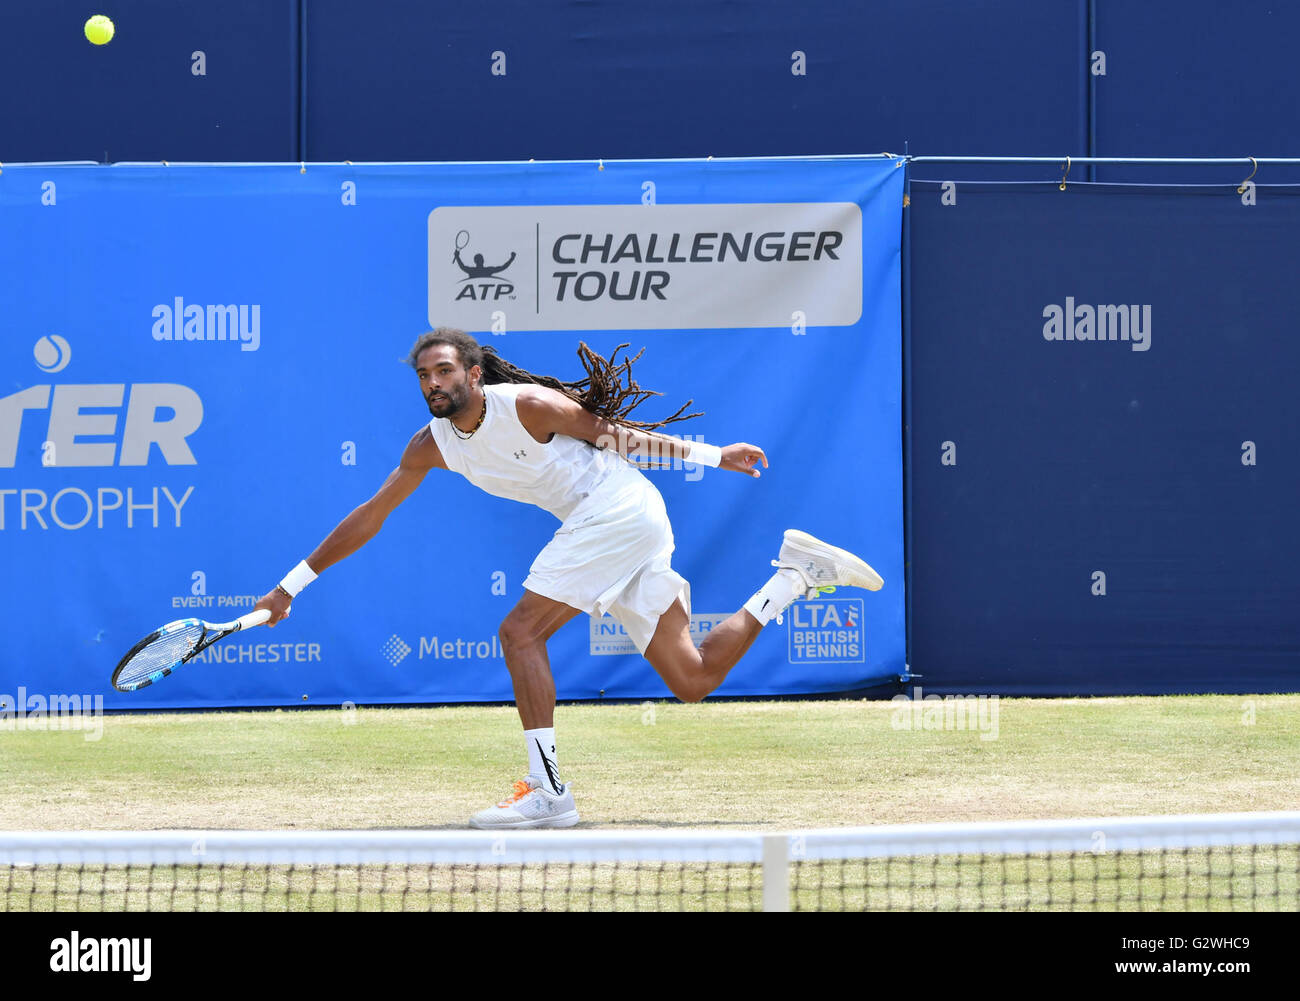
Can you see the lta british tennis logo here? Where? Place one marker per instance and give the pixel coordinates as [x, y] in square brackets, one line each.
[482, 279]
[827, 631]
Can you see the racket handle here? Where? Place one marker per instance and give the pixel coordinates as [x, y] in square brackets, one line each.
[253, 618]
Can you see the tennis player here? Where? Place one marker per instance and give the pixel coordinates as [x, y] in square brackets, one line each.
[565, 447]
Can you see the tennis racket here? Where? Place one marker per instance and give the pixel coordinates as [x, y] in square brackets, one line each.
[167, 648]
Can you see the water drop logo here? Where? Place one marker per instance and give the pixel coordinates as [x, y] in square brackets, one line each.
[52, 353]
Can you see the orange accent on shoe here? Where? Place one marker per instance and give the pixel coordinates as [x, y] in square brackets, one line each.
[521, 789]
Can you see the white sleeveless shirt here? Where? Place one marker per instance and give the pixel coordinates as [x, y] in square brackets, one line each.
[505, 460]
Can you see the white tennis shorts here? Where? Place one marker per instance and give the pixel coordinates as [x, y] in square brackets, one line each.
[613, 554]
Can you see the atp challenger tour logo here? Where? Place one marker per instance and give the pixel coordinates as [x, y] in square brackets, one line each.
[646, 267]
[1098, 323]
[482, 281]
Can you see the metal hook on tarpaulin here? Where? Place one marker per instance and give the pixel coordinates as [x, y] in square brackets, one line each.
[1066, 174]
[1241, 188]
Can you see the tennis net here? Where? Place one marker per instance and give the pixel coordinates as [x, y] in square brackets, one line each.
[1209, 862]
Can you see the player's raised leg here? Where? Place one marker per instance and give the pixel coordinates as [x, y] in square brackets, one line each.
[805, 564]
[692, 673]
[540, 799]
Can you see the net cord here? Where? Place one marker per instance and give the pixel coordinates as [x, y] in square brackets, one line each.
[1090, 835]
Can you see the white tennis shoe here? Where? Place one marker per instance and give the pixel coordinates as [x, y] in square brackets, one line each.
[529, 805]
[821, 565]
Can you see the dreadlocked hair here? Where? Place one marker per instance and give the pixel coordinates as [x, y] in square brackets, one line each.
[608, 391]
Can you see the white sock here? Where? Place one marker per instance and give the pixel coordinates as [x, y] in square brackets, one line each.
[774, 597]
[541, 759]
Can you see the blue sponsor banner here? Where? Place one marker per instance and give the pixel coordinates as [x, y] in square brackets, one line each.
[204, 373]
[1103, 438]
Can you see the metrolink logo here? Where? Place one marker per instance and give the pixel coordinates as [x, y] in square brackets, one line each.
[176, 321]
[1098, 323]
[645, 267]
[457, 649]
[395, 649]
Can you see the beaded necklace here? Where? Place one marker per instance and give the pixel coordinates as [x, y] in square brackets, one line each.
[466, 435]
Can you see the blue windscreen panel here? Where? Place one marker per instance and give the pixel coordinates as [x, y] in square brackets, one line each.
[1187, 80]
[1103, 439]
[274, 80]
[408, 80]
[179, 81]
[206, 374]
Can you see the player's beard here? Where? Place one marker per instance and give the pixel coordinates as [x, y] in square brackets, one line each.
[451, 403]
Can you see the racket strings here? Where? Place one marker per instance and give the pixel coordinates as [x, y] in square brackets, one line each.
[160, 654]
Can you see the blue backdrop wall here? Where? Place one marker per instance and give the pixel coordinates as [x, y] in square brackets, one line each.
[179, 81]
[409, 80]
[556, 80]
[1181, 79]
[287, 80]
[1101, 439]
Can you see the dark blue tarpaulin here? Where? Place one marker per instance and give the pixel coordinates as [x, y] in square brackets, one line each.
[1103, 438]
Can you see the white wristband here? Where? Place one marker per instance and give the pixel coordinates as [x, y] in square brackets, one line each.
[705, 454]
[298, 578]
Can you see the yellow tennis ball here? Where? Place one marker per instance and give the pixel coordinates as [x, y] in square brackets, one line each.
[99, 30]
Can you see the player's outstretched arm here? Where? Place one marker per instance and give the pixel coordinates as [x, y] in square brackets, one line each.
[545, 412]
[366, 519]
[743, 457]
